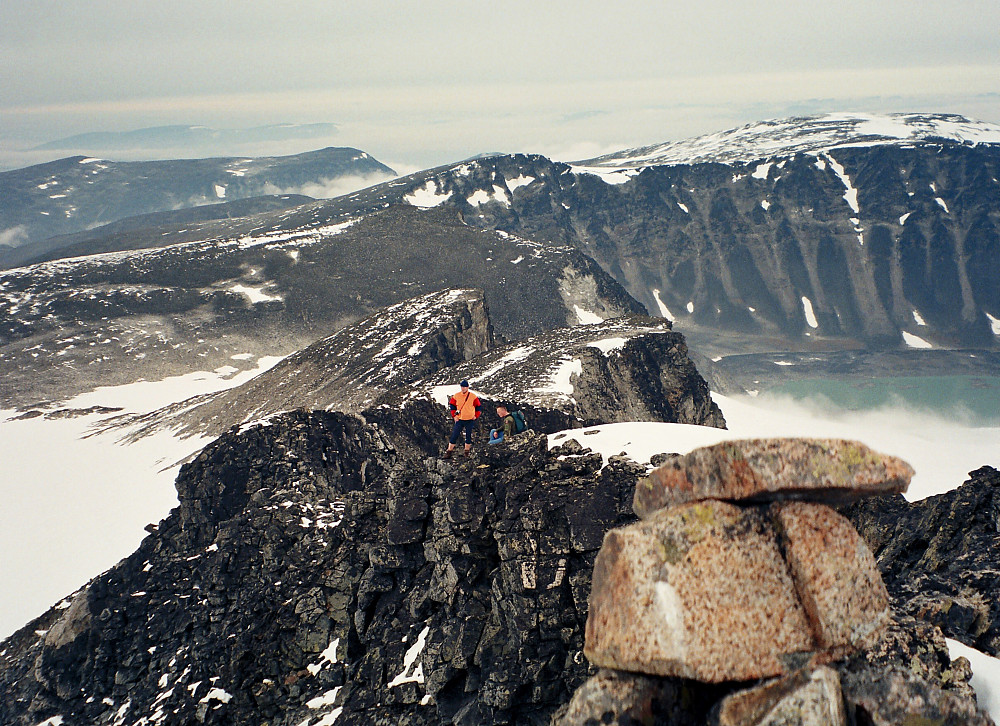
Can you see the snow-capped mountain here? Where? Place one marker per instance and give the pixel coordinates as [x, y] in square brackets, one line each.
[70, 325]
[879, 232]
[806, 135]
[79, 193]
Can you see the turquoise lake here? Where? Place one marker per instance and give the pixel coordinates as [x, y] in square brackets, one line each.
[974, 400]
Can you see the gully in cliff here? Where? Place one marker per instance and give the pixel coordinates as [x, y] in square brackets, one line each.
[465, 409]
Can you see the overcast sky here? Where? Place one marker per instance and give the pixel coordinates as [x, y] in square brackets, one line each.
[421, 83]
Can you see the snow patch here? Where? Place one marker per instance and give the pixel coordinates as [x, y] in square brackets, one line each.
[941, 203]
[519, 181]
[586, 317]
[690, 306]
[914, 341]
[608, 345]
[851, 195]
[902, 220]
[919, 320]
[216, 694]
[664, 311]
[762, 170]
[256, 294]
[684, 208]
[560, 381]
[220, 191]
[326, 699]
[481, 197]
[994, 324]
[807, 309]
[765, 205]
[427, 196]
[409, 674]
[607, 175]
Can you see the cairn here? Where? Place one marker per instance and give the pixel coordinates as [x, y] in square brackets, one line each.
[740, 570]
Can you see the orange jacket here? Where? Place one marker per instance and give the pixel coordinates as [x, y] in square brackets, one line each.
[465, 406]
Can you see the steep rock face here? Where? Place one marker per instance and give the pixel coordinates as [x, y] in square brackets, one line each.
[940, 557]
[71, 325]
[77, 193]
[853, 235]
[321, 565]
[632, 368]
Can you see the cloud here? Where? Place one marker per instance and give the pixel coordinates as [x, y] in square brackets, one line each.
[330, 188]
[13, 236]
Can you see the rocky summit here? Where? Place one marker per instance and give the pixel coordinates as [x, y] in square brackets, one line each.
[827, 470]
[328, 567]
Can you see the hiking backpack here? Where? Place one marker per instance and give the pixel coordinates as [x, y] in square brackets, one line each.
[519, 423]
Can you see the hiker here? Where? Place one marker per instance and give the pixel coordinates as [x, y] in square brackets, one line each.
[465, 409]
[508, 425]
[513, 423]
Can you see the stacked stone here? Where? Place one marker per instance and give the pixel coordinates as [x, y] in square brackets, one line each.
[740, 570]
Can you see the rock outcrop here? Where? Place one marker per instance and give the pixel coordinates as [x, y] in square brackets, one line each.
[940, 556]
[631, 368]
[828, 470]
[709, 591]
[321, 565]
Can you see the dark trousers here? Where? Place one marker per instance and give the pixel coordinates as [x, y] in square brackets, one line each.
[457, 431]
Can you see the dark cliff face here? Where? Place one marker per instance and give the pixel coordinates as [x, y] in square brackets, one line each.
[321, 565]
[632, 368]
[742, 244]
[879, 238]
[940, 557]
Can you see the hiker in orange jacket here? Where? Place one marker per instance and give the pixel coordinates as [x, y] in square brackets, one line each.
[465, 409]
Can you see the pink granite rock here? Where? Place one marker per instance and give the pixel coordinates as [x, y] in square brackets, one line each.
[835, 574]
[805, 698]
[828, 470]
[698, 590]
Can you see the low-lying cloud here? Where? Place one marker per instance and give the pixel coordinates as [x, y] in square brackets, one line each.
[13, 236]
[330, 188]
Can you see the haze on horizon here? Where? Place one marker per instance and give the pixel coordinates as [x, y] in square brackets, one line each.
[420, 84]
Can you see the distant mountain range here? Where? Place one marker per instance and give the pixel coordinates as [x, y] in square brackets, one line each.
[78, 194]
[177, 137]
[811, 235]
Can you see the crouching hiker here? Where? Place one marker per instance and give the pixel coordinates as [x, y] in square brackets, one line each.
[512, 423]
[465, 409]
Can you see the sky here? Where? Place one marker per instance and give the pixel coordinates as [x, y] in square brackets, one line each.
[418, 84]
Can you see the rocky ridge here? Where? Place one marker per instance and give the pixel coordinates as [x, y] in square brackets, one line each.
[68, 326]
[632, 368]
[327, 567]
[346, 371]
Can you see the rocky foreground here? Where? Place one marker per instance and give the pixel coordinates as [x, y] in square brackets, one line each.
[328, 567]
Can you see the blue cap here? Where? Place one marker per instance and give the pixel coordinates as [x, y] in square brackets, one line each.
[464, 384]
